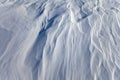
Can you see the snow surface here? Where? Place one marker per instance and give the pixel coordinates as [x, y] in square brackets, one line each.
[59, 39]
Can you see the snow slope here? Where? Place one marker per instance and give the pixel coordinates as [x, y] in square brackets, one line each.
[59, 39]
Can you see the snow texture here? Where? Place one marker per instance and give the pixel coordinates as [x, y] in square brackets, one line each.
[59, 39]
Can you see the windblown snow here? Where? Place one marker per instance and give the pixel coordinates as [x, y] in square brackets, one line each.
[59, 39]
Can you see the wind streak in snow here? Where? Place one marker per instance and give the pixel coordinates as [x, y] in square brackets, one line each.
[59, 40]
